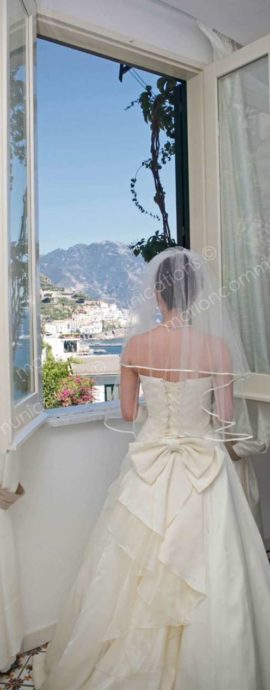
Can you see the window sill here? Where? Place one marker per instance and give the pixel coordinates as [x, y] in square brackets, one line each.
[80, 414]
[64, 416]
[28, 430]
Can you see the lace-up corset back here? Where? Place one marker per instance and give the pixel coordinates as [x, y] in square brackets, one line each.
[176, 407]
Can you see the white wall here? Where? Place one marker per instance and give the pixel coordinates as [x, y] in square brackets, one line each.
[66, 472]
[138, 20]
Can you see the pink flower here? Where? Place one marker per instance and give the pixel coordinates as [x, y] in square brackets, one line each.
[76, 390]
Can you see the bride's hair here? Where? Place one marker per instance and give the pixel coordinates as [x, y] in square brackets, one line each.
[170, 280]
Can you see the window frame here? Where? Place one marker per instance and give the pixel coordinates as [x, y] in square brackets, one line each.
[203, 138]
[203, 178]
[103, 43]
[18, 418]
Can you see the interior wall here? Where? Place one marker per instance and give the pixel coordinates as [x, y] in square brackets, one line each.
[138, 21]
[66, 472]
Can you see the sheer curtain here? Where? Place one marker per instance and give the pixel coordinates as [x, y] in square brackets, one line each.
[244, 154]
[245, 203]
[244, 151]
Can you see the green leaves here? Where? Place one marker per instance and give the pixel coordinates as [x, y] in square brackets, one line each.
[152, 246]
[158, 111]
[134, 195]
[61, 387]
[53, 373]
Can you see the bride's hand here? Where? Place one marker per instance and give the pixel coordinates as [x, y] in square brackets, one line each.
[232, 453]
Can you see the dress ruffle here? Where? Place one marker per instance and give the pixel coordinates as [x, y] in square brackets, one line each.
[169, 577]
[143, 574]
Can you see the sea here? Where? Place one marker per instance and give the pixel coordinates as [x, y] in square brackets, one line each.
[108, 346]
[99, 346]
[112, 346]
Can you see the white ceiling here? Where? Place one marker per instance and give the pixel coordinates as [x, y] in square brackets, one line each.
[242, 20]
[137, 21]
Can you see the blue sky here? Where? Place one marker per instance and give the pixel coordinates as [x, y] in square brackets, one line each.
[88, 149]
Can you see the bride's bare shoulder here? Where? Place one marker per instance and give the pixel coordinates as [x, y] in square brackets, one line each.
[135, 344]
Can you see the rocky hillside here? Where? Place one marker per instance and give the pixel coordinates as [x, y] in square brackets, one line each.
[102, 270]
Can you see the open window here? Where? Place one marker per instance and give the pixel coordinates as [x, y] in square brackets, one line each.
[229, 158]
[20, 393]
[111, 171]
[21, 406]
[229, 98]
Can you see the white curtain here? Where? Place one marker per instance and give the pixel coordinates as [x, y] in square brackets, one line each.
[11, 625]
[244, 152]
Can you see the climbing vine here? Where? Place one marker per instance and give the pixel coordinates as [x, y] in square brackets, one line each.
[158, 112]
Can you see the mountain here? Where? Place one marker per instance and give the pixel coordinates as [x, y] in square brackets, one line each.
[102, 270]
[46, 283]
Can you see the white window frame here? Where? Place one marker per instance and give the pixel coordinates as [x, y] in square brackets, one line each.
[94, 39]
[17, 420]
[204, 184]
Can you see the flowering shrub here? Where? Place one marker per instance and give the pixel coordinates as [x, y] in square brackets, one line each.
[75, 390]
[53, 373]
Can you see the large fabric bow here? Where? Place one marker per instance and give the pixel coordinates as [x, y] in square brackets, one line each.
[167, 471]
[201, 460]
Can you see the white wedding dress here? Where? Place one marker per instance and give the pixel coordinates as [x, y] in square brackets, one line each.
[173, 592]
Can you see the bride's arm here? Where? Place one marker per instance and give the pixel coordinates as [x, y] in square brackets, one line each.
[224, 405]
[129, 386]
[224, 398]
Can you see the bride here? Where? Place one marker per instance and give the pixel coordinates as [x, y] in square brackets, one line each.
[173, 592]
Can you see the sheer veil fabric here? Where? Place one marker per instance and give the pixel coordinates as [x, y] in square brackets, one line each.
[180, 327]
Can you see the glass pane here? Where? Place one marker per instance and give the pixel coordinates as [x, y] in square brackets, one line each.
[19, 222]
[244, 128]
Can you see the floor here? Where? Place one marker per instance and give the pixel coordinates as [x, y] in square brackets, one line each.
[21, 676]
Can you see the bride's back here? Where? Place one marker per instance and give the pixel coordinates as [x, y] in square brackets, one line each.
[159, 353]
